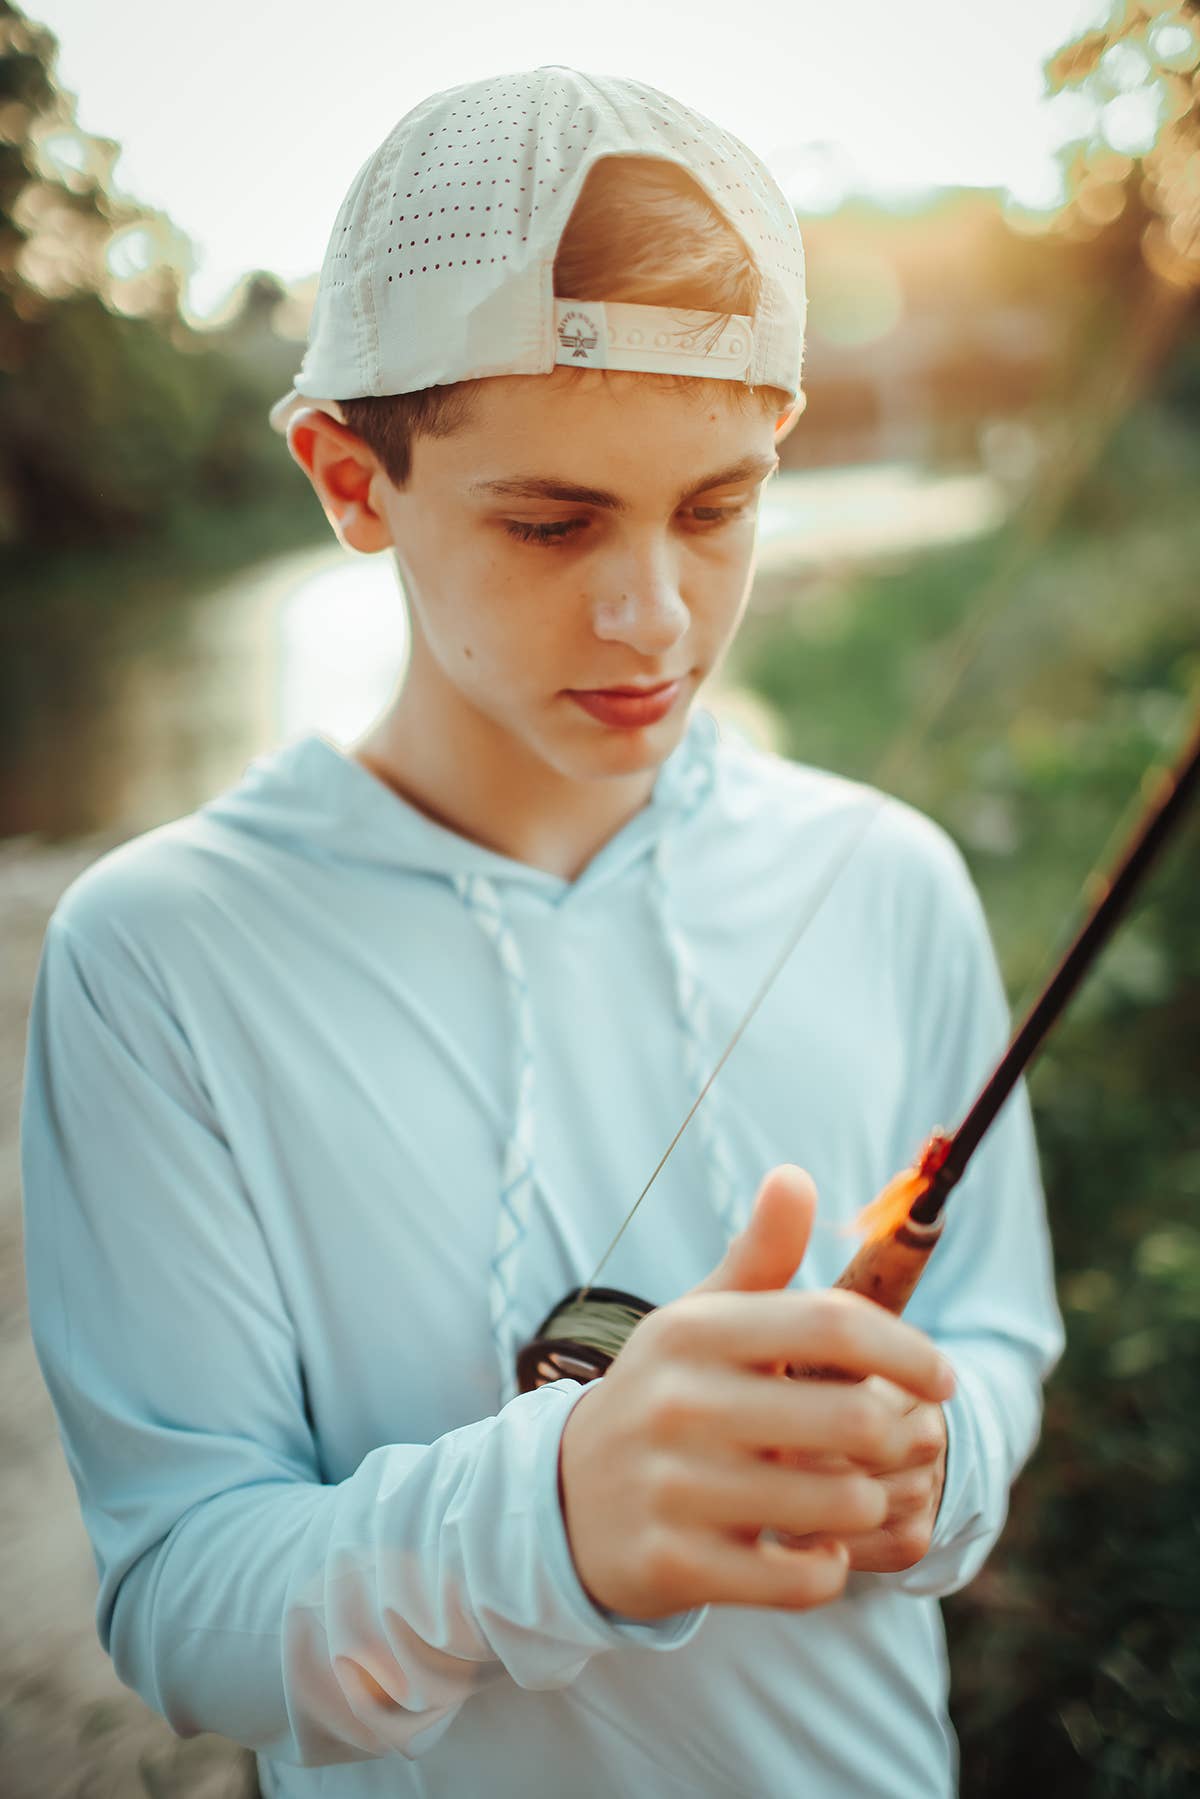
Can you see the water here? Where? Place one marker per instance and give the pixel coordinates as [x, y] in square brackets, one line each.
[811, 517]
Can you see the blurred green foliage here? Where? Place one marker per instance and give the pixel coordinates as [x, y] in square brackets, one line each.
[136, 461]
[1076, 1654]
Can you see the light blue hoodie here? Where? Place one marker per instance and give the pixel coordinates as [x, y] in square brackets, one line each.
[326, 1105]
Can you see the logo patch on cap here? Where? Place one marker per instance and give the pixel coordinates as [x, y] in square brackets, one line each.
[584, 338]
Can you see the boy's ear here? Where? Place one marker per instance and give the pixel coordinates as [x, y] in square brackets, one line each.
[786, 420]
[344, 474]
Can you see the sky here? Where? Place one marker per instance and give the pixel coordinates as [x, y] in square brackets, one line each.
[246, 120]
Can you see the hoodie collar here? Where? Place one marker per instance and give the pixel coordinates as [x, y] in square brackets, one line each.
[314, 795]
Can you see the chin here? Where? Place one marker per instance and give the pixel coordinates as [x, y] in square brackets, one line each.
[612, 753]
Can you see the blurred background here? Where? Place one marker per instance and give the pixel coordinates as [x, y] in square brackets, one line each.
[977, 584]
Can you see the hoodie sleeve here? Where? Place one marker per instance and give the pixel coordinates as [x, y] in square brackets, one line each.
[987, 1296]
[238, 1593]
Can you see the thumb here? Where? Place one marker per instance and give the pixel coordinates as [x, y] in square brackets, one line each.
[769, 1250]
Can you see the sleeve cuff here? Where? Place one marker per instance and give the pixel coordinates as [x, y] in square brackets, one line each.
[600, 1628]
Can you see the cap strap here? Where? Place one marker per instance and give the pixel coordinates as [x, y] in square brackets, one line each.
[608, 334]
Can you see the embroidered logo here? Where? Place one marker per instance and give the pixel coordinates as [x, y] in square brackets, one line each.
[582, 339]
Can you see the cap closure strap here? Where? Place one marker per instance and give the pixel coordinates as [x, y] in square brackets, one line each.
[610, 334]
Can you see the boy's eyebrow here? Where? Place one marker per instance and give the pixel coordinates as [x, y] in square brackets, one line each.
[545, 487]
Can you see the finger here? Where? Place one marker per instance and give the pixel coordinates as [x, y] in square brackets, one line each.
[886, 1551]
[926, 1429]
[815, 1461]
[890, 1395]
[837, 1329]
[920, 1441]
[908, 1493]
[766, 1573]
[916, 1441]
[765, 1496]
[902, 1535]
[815, 1422]
[769, 1250]
[909, 1502]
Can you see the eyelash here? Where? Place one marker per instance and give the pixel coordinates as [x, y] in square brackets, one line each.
[562, 531]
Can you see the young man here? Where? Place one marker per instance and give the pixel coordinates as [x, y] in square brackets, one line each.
[337, 1084]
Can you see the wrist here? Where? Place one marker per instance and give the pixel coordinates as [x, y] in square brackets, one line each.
[603, 1610]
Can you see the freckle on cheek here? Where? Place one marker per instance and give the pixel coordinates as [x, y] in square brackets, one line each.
[468, 652]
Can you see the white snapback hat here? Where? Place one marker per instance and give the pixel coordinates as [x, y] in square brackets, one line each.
[440, 266]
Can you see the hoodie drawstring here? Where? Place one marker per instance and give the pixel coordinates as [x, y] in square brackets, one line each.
[692, 1012]
[684, 786]
[482, 901]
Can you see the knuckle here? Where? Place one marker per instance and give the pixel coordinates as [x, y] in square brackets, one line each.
[816, 1580]
[675, 1325]
[837, 1321]
[668, 1487]
[910, 1492]
[674, 1405]
[866, 1503]
[930, 1495]
[665, 1565]
[911, 1541]
[660, 1330]
[868, 1432]
[930, 1440]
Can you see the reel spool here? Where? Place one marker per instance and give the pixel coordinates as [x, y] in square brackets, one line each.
[580, 1341]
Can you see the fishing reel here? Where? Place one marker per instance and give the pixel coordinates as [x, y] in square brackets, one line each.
[580, 1338]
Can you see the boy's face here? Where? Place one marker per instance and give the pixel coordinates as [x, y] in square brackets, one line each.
[517, 600]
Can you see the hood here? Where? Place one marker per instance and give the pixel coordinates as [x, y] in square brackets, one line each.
[313, 797]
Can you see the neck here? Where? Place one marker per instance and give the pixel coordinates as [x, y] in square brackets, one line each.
[468, 774]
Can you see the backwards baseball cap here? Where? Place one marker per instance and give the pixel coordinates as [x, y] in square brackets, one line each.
[440, 266]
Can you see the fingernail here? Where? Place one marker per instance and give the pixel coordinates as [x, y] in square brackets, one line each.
[946, 1380]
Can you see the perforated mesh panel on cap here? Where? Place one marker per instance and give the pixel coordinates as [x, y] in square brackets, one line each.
[440, 263]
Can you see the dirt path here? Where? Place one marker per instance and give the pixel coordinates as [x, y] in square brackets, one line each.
[68, 1728]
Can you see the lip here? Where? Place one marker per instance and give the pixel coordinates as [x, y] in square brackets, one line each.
[634, 690]
[628, 708]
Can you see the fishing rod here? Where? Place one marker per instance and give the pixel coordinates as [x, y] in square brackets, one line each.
[582, 1335]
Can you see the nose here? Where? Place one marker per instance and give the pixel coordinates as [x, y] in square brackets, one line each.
[638, 602]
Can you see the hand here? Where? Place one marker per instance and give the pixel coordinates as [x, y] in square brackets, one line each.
[911, 1481]
[669, 1466]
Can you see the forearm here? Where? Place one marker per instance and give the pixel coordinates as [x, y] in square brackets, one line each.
[330, 1624]
[239, 1593]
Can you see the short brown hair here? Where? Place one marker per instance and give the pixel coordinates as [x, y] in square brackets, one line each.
[642, 231]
